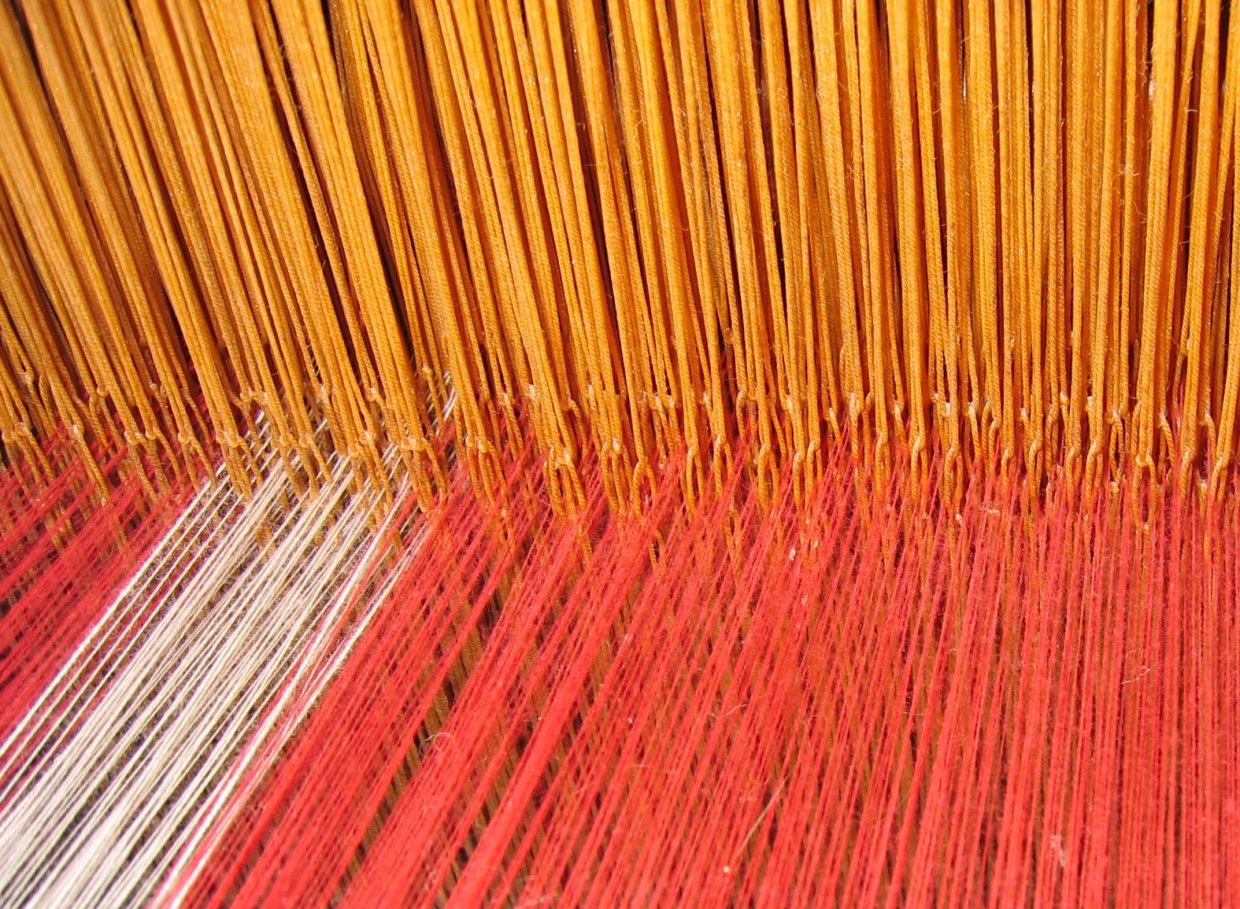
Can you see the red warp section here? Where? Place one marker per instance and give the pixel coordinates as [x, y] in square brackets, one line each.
[853, 699]
[65, 552]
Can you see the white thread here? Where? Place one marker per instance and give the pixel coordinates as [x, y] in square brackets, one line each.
[137, 749]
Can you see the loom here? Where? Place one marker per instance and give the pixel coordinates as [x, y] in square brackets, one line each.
[619, 453]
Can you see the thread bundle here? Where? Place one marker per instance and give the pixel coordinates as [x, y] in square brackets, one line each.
[998, 232]
[837, 700]
[566, 452]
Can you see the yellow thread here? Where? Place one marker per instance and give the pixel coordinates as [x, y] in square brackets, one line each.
[993, 235]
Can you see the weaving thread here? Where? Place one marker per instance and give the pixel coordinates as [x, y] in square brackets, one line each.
[225, 623]
[998, 233]
[619, 452]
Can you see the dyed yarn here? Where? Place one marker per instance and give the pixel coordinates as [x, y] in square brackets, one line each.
[591, 453]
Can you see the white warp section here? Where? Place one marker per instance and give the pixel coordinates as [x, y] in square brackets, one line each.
[136, 750]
